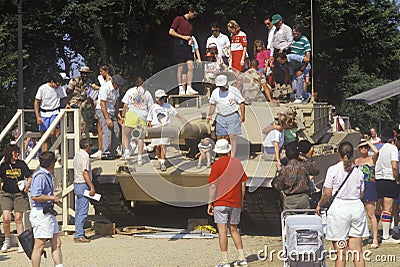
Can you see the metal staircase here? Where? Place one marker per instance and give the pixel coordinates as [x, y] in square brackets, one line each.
[67, 143]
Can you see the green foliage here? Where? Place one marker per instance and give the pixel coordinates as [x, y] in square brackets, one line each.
[355, 42]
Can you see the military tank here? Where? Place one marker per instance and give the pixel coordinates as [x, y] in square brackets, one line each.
[185, 186]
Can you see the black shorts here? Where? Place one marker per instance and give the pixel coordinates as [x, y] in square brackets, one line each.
[182, 51]
[387, 188]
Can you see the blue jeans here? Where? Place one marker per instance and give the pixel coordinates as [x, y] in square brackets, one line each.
[298, 82]
[81, 208]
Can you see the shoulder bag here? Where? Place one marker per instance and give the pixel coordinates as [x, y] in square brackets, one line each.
[330, 201]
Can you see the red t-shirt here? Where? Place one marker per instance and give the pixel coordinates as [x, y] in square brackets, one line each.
[227, 174]
[182, 26]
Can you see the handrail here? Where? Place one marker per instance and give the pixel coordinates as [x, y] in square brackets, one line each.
[10, 124]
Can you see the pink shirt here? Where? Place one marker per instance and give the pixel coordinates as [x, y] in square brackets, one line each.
[261, 57]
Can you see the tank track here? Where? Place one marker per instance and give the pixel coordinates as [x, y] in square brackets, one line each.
[112, 204]
[262, 210]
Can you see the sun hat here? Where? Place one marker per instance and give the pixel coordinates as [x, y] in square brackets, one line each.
[222, 146]
[276, 18]
[221, 80]
[160, 93]
[64, 76]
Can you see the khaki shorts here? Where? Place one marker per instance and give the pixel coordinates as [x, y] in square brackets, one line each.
[14, 201]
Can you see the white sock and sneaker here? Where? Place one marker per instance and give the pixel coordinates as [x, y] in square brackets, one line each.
[96, 155]
[139, 160]
[241, 262]
[190, 90]
[6, 245]
[181, 90]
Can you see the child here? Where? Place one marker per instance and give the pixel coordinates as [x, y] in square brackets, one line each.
[159, 116]
[211, 67]
[262, 55]
[205, 148]
[273, 142]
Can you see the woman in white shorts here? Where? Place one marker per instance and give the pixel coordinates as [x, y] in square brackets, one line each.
[346, 220]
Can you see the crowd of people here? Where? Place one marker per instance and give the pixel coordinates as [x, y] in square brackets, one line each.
[367, 187]
[283, 60]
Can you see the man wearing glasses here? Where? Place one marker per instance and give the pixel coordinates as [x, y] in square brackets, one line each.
[47, 106]
[222, 42]
[270, 37]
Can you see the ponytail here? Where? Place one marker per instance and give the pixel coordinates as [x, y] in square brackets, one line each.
[346, 153]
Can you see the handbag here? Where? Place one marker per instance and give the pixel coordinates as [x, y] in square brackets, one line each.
[328, 204]
[27, 241]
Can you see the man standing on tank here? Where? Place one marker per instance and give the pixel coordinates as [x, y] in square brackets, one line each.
[182, 31]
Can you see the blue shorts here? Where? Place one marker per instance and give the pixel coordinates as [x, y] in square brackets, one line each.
[46, 121]
[226, 125]
[370, 194]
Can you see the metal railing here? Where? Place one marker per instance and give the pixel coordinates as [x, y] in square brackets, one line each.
[70, 134]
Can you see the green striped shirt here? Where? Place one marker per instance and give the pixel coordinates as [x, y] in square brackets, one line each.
[301, 46]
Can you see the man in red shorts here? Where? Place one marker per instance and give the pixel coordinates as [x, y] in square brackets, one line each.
[182, 31]
[227, 187]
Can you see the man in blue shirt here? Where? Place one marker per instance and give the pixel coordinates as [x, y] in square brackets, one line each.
[298, 68]
[42, 216]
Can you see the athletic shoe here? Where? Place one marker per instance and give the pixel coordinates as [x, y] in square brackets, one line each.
[140, 162]
[5, 247]
[391, 240]
[240, 263]
[20, 249]
[163, 167]
[223, 264]
[96, 155]
[191, 91]
[298, 101]
[181, 90]
[126, 155]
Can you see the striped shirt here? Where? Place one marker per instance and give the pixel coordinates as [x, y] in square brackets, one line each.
[301, 46]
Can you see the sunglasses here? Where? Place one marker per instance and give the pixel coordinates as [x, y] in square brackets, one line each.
[215, 31]
[365, 146]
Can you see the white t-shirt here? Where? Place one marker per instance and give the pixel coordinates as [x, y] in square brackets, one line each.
[110, 95]
[81, 163]
[353, 186]
[383, 166]
[272, 137]
[49, 99]
[139, 101]
[226, 102]
[375, 140]
[160, 115]
[222, 41]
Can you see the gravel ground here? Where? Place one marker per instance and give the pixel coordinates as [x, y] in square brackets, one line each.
[121, 250]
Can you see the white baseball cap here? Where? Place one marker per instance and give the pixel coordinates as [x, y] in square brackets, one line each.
[160, 93]
[221, 80]
[222, 146]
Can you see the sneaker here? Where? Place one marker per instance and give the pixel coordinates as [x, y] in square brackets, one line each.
[198, 166]
[191, 91]
[163, 167]
[126, 155]
[5, 247]
[96, 155]
[181, 90]
[20, 249]
[298, 101]
[223, 264]
[240, 263]
[391, 240]
[140, 162]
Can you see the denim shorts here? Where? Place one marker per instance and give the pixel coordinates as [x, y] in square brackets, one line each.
[226, 125]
